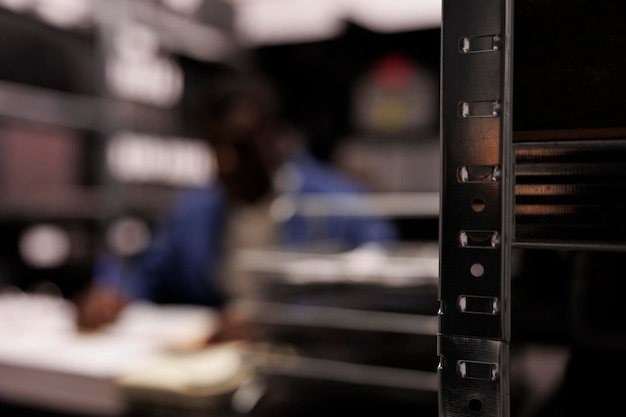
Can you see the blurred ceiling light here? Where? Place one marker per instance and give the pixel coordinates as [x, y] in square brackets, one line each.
[178, 32]
[136, 42]
[280, 21]
[396, 15]
[61, 13]
[143, 158]
[263, 22]
[17, 5]
[45, 246]
[187, 7]
[64, 13]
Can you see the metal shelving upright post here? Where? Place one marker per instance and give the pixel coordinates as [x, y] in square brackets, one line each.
[548, 177]
[476, 199]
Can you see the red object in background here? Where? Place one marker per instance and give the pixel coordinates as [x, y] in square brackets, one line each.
[393, 71]
[395, 96]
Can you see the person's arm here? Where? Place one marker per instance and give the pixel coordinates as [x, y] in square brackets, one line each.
[117, 280]
[103, 299]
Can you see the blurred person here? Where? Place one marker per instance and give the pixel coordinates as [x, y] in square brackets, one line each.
[258, 157]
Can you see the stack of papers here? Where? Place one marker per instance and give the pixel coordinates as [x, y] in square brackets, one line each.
[59, 368]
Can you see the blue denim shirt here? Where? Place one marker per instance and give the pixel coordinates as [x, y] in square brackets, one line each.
[181, 262]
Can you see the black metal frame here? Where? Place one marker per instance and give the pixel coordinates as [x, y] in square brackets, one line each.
[476, 222]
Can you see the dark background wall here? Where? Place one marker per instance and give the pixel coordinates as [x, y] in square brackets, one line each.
[316, 79]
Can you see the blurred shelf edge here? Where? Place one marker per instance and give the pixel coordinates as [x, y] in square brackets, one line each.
[214, 41]
[395, 204]
[337, 318]
[208, 36]
[58, 394]
[46, 106]
[86, 201]
[81, 202]
[328, 370]
[571, 246]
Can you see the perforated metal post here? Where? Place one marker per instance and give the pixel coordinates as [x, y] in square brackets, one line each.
[476, 217]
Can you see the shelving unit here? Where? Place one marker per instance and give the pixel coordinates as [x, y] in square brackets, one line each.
[324, 326]
[60, 107]
[533, 153]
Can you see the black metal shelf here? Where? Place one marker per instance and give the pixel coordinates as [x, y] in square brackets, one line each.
[533, 155]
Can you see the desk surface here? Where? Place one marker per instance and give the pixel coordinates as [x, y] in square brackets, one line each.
[46, 362]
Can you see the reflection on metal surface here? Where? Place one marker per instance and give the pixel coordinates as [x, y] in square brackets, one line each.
[570, 192]
[478, 304]
[475, 44]
[469, 375]
[547, 189]
[469, 109]
[478, 370]
[569, 134]
[291, 365]
[487, 239]
[545, 210]
[478, 205]
[479, 173]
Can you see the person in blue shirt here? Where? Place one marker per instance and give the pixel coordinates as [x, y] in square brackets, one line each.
[261, 167]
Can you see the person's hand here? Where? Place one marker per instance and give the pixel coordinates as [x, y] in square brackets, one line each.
[99, 306]
[232, 327]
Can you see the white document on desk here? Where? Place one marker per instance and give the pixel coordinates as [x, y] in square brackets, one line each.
[60, 368]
